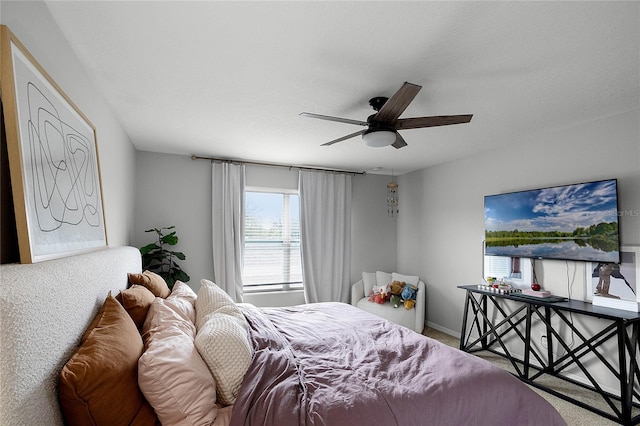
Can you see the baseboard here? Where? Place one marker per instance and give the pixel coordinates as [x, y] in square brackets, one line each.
[443, 329]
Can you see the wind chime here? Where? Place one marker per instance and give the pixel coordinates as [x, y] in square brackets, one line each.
[392, 199]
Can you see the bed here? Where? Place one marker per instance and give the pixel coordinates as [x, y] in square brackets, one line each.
[202, 359]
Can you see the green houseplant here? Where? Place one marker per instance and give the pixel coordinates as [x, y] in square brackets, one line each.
[158, 259]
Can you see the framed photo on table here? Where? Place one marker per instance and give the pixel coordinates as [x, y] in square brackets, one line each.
[53, 161]
[615, 285]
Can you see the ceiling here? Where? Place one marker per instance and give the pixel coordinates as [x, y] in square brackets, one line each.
[229, 79]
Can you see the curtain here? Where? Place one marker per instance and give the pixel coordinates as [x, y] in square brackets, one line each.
[227, 210]
[325, 233]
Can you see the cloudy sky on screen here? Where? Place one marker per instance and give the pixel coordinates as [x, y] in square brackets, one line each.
[562, 208]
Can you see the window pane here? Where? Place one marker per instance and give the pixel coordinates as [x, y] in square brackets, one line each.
[514, 270]
[497, 266]
[272, 239]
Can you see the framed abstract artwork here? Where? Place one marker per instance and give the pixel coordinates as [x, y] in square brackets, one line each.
[53, 160]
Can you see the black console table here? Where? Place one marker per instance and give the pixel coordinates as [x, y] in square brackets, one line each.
[484, 330]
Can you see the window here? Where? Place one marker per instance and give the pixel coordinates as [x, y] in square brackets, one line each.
[512, 269]
[271, 241]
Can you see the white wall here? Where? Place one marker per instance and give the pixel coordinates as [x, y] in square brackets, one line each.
[440, 234]
[373, 234]
[34, 26]
[440, 238]
[175, 190]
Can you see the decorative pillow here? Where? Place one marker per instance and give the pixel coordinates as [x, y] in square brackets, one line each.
[99, 383]
[383, 279]
[368, 281]
[171, 373]
[210, 299]
[136, 301]
[154, 282]
[183, 299]
[409, 279]
[93, 323]
[223, 343]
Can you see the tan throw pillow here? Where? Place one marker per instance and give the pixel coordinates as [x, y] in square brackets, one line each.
[136, 301]
[99, 384]
[223, 343]
[183, 299]
[93, 323]
[152, 281]
[210, 299]
[171, 372]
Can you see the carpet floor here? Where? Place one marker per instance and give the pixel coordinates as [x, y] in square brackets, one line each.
[572, 414]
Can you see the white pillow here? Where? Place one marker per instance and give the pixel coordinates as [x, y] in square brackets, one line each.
[171, 373]
[223, 343]
[183, 300]
[368, 281]
[210, 299]
[383, 279]
[409, 279]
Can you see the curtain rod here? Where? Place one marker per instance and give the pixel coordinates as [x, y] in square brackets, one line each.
[259, 163]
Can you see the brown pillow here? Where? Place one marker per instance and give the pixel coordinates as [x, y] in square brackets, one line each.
[99, 384]
[136, 301]
[93, 323]
[152, 281]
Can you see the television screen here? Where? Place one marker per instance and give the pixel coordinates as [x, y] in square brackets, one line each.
[572, 222]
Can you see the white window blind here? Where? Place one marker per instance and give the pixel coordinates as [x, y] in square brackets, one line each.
[272, 241]
[497, 266]
[514, 270]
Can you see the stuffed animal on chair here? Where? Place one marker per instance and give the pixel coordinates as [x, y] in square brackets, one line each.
[395, 300]
[408, 295]
[380, 294]
[395, 289]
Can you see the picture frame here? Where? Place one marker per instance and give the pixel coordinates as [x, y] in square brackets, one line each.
[53, 161]
[624, 281]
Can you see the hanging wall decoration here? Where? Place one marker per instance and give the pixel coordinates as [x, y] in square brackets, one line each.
[392, 199]
[53, 159]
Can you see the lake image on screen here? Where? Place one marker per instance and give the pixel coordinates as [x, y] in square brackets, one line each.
[574, 222]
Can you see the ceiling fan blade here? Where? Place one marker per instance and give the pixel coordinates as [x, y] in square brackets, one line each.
[436, 120]
[400, 142]
[397, 103]
[338, 119]
[344, 138]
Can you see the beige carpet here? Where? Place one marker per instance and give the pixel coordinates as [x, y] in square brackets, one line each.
[572, 414]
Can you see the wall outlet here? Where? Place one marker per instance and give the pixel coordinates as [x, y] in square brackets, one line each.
[558, 350]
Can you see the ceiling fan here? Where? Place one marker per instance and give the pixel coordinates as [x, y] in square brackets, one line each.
[382, 127]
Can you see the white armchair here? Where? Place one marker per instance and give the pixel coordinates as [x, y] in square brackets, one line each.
[410, 318]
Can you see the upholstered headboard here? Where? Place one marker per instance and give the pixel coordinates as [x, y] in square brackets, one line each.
[44, 309]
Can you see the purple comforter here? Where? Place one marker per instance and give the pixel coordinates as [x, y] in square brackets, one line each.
[333, 364]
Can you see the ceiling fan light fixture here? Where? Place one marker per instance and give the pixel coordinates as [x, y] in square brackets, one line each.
[379, 138]
[382, 127]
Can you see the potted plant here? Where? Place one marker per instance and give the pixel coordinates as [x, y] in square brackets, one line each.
[158, 259]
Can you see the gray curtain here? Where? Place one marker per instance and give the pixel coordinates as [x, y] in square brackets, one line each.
[227, 182]
[325, 231]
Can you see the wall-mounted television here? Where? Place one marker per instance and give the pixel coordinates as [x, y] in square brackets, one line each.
[570, 222]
